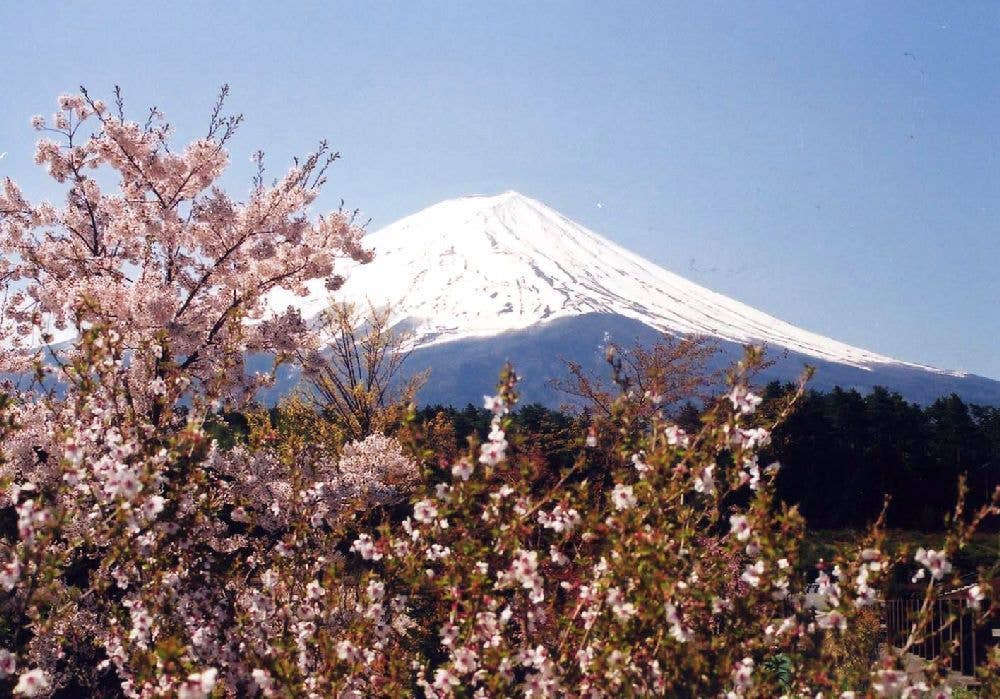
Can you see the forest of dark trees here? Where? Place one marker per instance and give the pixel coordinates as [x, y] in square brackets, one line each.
[841, 452]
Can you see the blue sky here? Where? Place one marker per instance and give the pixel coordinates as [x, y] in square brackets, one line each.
[834, 164]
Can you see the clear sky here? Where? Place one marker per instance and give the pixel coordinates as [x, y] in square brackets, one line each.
[834, 164]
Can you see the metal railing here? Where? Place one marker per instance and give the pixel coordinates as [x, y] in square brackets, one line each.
[960, 641]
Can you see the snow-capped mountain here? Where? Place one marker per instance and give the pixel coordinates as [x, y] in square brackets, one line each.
[483, 265]
[508, 266]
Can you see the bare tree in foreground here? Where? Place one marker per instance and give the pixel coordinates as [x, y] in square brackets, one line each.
[672, 370]
[356, 380]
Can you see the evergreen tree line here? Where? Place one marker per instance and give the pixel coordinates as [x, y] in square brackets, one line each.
[842, 452]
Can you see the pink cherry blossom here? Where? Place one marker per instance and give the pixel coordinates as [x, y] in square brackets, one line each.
[740, 526]
[424, 512]
[622, 497]
[935, 561]
[8, 663]
[32, 683]
[744, 401]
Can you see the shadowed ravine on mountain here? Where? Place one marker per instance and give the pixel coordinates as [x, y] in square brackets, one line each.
[462, 371]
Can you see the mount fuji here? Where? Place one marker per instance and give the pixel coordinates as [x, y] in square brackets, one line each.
[482, 279]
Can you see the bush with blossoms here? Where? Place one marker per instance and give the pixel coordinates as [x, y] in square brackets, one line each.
[141, 557]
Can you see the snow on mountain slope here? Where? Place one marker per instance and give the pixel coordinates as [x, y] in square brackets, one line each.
[483, 265]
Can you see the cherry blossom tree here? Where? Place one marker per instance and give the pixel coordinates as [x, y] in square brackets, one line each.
[156, 283]
[148, 245]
